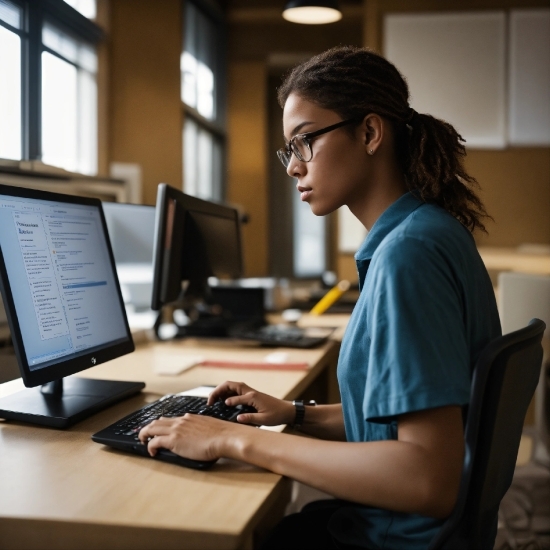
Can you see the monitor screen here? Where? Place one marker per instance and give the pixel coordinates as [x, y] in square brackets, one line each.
[131, 231]
[59, 284]
[194, 240]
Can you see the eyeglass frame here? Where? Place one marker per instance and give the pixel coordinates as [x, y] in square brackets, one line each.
[307, 138]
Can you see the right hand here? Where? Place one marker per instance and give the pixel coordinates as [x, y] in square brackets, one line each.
[270, 410]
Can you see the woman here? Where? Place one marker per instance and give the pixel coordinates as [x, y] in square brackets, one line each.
[392, 452]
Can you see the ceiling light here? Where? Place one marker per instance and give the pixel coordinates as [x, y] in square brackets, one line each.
[312, 12]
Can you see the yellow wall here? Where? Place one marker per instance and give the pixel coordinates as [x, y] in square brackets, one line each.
[145, 123]
[515, 187]
[247, 158]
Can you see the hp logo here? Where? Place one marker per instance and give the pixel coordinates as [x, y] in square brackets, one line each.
[94, 360]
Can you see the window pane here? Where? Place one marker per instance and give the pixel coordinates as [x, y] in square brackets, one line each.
[87, 8]
[202, 162]
[190, 131]
[197, 85]
[10, 95]
[204, 159]
[60, 42]
[205, 91]
[87, 123]
[198, 62]
[189, 79]
[69, 103]
[87, 58]
[10, 14]
[309, 240]
[59, 112]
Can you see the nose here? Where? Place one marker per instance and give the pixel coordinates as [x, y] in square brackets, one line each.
[296, 168]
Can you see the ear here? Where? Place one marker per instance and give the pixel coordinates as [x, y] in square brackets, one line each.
[372, 129]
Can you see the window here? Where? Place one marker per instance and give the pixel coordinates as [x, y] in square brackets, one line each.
[309, 240]
[201, 93]
[69, 102]
[202, 161]
[48, 90]
[10, 83]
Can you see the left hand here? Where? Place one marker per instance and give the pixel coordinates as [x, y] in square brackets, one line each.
[191, 436]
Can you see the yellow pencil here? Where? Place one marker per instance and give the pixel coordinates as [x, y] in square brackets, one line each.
[331, 297]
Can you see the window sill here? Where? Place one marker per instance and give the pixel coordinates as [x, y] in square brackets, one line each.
[37, 169]
[36, 175]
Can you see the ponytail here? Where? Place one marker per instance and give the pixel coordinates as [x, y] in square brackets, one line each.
[354, 82]
[433, 156]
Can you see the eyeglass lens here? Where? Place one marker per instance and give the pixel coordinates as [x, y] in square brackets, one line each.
[297, 145]
[300, 145]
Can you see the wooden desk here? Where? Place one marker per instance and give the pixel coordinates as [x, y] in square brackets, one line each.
[60, 490]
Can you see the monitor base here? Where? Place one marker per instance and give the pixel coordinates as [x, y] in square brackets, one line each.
[79, 398]
[204, 325]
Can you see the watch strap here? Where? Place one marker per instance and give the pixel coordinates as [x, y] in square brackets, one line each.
[300, 407]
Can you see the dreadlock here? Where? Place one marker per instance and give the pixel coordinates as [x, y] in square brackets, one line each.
[354, 82]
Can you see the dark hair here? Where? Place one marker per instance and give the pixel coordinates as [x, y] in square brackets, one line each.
[354, 82]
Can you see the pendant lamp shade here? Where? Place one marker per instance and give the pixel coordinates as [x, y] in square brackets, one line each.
[312, 12]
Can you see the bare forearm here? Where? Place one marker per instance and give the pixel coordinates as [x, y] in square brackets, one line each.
[325, 422]
[394, 475]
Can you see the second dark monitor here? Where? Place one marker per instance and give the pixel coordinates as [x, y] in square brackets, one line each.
[194, 240]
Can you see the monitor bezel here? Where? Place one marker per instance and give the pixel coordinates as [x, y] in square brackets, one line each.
[85, 359]
[161, 256]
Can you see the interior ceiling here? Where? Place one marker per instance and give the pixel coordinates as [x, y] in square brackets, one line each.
[258, 32]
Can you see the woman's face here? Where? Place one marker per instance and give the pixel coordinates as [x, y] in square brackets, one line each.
[338, 171]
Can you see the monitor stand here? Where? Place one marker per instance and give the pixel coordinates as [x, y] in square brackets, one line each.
[62, 403]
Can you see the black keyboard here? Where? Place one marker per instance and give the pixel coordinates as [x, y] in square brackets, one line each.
[123, 434]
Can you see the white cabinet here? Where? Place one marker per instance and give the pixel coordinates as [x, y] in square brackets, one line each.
[485, 72]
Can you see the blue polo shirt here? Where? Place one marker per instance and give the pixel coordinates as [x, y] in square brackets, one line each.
[425, 312]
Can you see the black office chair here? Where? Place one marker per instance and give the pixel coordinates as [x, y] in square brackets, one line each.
[503, 384]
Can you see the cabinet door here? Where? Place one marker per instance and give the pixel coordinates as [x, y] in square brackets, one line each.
[455, 65]
[529, 77]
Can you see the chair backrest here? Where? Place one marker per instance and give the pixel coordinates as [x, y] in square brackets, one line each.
[503, 384]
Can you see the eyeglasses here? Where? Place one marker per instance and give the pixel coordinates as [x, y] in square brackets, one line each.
[300, 144]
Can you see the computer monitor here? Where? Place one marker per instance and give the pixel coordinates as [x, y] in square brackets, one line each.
[64, 305]
[131, 231]
[195, 239]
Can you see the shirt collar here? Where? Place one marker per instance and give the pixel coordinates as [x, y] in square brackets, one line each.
[389, 220]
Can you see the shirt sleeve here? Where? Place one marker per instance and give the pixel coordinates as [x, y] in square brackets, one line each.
[419, 353]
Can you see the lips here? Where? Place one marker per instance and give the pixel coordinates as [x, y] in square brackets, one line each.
[305, 192]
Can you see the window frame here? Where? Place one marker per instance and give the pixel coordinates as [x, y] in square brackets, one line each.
[34, 14]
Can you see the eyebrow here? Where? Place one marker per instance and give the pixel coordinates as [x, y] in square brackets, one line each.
[298, 128]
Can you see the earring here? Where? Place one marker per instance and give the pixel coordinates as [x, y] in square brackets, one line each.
[371, 151]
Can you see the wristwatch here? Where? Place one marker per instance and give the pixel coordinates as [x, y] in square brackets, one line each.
[301, 411]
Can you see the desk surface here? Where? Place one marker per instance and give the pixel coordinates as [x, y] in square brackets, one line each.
[511, 259]
[61, 490]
